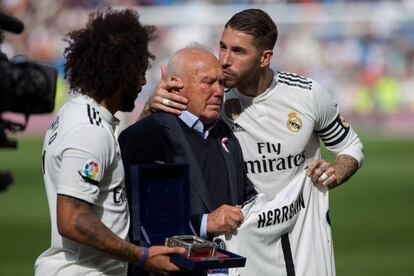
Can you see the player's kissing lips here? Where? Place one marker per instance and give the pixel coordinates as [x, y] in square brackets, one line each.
[228, 73]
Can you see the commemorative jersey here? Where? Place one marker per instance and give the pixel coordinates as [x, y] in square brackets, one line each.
[286, 230]
[279, 130]
[287, 236]
[81, 159]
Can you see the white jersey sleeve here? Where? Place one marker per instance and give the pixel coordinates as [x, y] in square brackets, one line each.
[334, 131]
[83, 161]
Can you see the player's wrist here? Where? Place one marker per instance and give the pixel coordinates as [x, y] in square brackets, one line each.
[143, 258]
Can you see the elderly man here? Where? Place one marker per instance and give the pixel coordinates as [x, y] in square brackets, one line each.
[199, 138]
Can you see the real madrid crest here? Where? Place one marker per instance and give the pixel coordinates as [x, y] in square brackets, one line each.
[294, 123]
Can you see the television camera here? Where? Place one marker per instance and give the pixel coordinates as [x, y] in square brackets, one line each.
[26, 87]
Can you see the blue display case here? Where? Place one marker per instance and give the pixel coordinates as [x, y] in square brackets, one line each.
[160, 198]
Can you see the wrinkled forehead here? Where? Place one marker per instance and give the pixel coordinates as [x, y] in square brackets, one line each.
[208, 66]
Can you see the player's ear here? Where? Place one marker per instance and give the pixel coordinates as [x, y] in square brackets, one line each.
[266, 58]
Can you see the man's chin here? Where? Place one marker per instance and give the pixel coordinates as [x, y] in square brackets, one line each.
[230, 83]
[210, 117]
[215, 116]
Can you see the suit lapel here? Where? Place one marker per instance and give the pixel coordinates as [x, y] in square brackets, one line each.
[230, 165]
[185, 154]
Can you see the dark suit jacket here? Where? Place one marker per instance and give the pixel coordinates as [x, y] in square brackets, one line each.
[160, 137]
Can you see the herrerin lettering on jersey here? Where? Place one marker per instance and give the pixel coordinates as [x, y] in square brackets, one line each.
[294, 123]
[232, 108]
[282, 214]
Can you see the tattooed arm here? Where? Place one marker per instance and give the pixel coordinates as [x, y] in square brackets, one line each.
[76, 221]
[344, 166]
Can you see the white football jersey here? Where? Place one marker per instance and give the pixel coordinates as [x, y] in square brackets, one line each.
[279, 130]
[81, 159]
[290, 235]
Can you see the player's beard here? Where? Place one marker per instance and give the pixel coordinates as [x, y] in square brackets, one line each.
[230, 82]
[128, 100]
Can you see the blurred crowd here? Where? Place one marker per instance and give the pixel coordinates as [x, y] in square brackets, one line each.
[369, 65]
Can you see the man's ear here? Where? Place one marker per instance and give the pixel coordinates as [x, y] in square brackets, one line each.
[266, 58]
[176, 79]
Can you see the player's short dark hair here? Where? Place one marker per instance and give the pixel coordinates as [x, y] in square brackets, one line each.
[110, 53]
[258, 24]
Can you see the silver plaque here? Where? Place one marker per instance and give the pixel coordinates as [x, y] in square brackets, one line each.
[194, 246]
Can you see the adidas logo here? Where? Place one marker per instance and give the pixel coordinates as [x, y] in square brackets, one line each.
[237, 128]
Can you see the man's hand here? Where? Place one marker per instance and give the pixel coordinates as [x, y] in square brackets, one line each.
[224, 219]
[159, 260]
[166, 97]
[77, 222]
[332, 175]
[321, 173]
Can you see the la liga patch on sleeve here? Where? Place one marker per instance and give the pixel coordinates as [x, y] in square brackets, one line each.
[90, 172]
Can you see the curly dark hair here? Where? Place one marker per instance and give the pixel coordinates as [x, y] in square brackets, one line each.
[258, 24]
[109, 54]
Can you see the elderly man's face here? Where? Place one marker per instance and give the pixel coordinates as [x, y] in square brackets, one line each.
[204, 88]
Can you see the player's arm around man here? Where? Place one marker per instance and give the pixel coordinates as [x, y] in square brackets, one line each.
[322, 172]
[166, 96]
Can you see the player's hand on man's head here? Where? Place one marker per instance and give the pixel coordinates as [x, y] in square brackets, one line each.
[166, 97]
[224, 219]
[159, 259]
[322, 173]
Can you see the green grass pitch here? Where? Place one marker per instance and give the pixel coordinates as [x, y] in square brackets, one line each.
[371, 215]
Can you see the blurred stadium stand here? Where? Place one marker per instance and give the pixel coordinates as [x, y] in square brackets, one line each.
[362, 51]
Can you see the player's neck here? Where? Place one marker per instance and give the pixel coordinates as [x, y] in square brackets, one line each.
[257, 85]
